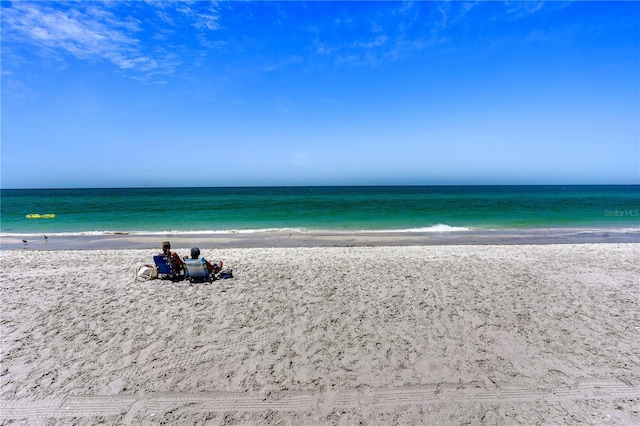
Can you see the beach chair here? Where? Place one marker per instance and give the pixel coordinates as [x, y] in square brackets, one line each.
[197, 272]
[165, 269]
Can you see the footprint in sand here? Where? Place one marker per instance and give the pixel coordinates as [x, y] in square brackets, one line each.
[147, 353]
[114, 387]
[127, 346]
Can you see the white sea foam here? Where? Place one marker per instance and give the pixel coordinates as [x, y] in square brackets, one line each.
[434, 228]
[151, 233]
[438, 228]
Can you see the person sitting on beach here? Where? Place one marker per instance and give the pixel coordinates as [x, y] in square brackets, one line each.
[173, 259]
[214, 268]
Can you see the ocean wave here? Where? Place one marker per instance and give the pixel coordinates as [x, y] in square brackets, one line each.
[438, 228]
[299, 230]
[153, 233]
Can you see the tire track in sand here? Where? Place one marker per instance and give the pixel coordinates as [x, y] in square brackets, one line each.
[363, 397]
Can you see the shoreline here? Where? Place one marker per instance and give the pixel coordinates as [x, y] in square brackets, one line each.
[269, 239]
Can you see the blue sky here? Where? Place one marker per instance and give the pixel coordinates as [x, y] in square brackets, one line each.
[132, 94]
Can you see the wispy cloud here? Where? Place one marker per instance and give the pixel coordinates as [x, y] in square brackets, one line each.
[391, 32]
[382, 34]
[204, 16]
[284, 62]
[520, 9]
[148, 39]
[86, 34]
[95, 31]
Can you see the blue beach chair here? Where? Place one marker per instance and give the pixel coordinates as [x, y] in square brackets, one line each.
[166, 269]
[197, 271]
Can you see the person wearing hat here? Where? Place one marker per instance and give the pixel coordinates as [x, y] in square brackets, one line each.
[214, 268]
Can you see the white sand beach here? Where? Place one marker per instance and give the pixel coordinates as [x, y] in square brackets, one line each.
[474, 334]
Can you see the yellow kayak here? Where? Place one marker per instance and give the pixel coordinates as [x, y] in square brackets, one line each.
[40, 216]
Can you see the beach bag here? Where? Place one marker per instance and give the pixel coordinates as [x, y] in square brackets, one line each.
[225, 274]
[146, 273]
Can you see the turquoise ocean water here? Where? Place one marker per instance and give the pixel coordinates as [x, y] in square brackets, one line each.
[386, 208]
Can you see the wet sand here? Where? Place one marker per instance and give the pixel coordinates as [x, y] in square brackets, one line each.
[125, 240]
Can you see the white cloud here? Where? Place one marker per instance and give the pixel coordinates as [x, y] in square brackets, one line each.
[207, 20]
[377, 41]
[105, 31]
[205, 16]
[84, 34]
[519, 9]
[284, 63]
[388, 33]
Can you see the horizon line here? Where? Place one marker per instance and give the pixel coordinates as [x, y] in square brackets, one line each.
[326, 186]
